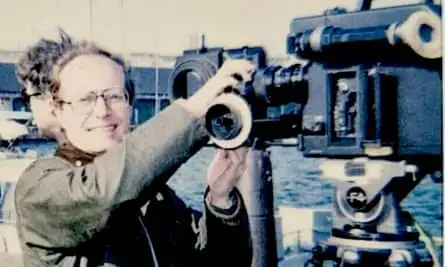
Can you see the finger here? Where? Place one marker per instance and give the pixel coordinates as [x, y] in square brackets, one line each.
[214, 160]
[230, 82]
[218, 172]
[230, 158]
[240, 64]
[219, 84]
[242, 151]
[234, 157]
[227, 179]
[239, 155]
[216, 164]
[238, 160]
[242, 168]
[243, 76]
[242, 68]
[220, 154]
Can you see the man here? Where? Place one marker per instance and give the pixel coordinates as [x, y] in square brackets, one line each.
[79, 208]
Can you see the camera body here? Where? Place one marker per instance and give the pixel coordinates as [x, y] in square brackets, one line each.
[274, 96]
[373, 97]
[364, 90]
[364, 83]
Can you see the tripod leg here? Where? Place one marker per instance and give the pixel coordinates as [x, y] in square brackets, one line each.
[257, 191]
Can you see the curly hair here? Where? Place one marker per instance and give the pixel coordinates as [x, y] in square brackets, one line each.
[34, 69]
[90, 48]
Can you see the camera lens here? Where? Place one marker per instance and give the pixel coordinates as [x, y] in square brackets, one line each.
[222, 123]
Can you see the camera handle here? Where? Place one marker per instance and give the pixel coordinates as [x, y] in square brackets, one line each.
[363, 5]
[369, 226]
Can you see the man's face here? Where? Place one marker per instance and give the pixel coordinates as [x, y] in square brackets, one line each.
[95, 112]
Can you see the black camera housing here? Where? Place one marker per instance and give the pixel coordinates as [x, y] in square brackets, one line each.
[398, 94]
[275, 95]
[357, 93]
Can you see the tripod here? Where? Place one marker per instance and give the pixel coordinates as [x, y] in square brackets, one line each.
[369, 226]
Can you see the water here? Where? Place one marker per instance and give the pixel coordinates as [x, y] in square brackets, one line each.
[297, 182]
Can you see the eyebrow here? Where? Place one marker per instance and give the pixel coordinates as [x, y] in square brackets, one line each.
[99, 92]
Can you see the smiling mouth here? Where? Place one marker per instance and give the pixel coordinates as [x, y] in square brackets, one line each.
[108, 128]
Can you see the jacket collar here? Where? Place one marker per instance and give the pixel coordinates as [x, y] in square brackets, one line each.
[74, 155]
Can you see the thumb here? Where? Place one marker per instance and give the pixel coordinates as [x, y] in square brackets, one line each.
[220, 156]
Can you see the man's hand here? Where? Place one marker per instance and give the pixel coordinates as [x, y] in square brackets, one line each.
[223, 174]
[232, 72]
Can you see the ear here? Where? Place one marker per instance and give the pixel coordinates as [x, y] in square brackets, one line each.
[57, 113]
[54, 109]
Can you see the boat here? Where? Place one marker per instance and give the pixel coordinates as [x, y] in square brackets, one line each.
[10, 128]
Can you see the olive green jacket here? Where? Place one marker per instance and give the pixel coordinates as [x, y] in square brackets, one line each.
[89, 214]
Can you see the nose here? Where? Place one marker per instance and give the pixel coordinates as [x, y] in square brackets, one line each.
[100, 109]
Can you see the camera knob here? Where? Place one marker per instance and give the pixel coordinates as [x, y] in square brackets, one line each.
[422, 31]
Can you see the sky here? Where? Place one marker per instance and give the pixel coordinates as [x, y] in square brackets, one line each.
[160, 26]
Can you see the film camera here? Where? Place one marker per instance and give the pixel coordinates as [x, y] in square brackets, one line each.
[363, 90]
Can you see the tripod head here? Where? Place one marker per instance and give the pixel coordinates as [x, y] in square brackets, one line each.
[369, 225]
[366, 204]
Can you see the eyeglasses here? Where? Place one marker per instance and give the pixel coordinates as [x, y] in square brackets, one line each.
[114, 98]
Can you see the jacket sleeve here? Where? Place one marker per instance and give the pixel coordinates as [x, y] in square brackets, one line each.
[59, 205]
[189, 237]
[224, 236]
